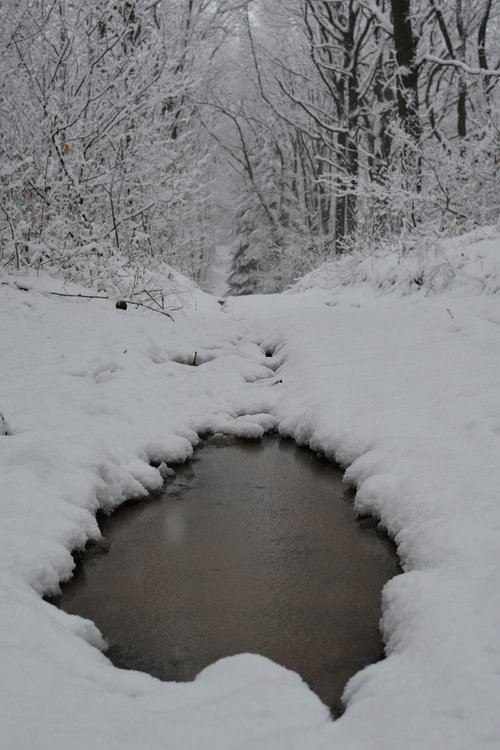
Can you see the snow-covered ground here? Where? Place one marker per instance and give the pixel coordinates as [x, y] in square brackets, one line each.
[391, 365]
[216, 275]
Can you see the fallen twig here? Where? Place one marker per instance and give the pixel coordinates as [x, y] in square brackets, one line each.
[128, 301]
[145, 291]
[148, 307]
[86, 296]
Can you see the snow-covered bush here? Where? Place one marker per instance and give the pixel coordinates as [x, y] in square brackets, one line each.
[414, 264]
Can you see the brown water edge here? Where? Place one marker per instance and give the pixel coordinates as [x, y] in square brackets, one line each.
[252, 547]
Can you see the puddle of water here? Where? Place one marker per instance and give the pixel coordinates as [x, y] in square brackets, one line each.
[252, 547]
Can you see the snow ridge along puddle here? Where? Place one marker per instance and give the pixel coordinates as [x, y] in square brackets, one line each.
[252, 547]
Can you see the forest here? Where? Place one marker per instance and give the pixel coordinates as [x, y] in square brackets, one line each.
[335, 164]
[139, 134]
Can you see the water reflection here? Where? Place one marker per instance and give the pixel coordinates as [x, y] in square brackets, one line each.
[252, 547]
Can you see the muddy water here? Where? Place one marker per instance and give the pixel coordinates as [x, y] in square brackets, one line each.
[252, 547]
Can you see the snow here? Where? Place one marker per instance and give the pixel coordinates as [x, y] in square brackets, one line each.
[215, 280]
[396, 380]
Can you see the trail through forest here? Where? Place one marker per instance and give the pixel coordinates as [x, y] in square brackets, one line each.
[389, 366]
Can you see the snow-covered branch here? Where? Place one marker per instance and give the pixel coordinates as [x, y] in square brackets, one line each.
[458, 64]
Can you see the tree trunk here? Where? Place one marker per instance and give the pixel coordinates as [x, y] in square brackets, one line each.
[462, 86]
[405, 43]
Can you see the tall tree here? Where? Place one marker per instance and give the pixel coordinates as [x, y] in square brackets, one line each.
[405, 45]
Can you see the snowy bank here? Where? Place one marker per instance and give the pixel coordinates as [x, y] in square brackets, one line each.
[400, 387]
